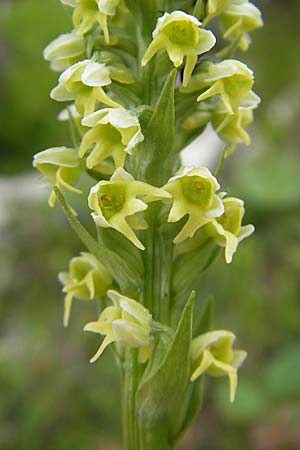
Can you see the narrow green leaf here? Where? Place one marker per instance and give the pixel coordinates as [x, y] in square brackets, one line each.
[190, 408]
[189, 268]
[162, 393]
[127, 278]
[156, 153]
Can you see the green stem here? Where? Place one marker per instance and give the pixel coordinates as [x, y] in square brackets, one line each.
[130, 385]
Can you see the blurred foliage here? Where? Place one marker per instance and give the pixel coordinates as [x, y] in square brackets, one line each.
[51, 398]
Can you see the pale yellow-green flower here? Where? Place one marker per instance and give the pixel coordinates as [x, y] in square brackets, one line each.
[115, 203]
[231, 128]
[193, 193]
[84, 82]
[127, 323]
[180, 35]
[227, 229]
[86, 279]
[230, 79]
[115, 132]
[61, 165]
[238, 19]
[64, 51]
[88, 13]
[212, 353]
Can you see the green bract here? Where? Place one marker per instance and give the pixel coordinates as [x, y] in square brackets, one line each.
[87, 278]
[212, 353]
[61, 165]
[83, 82]
[127, 322]
[115, 203]
[181, 36]
[115, 132]
[193, 192]
[65, 51]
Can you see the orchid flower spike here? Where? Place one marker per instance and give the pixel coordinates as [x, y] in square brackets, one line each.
[87, 278]
[115, 132]
[193, 192]
[127, 322]
[180, 35]
[61, 165]
[115, 203]
[212, 353]
[227, 229]
[84, 82]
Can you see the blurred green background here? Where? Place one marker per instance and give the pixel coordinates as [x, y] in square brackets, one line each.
[50, 397]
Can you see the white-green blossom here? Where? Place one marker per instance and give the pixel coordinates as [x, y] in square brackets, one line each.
[180, 35]
[127, 322]
[212, 353]
[114, 132]
[193, 193]
[84, 82]
[227, 229]
[64, 51]
[115, 203]
[86, 279]
[61, 165]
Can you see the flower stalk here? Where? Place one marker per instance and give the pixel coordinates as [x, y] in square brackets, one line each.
[143, 79]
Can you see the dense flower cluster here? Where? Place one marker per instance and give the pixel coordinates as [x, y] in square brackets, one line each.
[130, 117]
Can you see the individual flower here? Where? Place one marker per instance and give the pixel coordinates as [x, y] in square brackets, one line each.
[181, 36]
[84, 82]
[194, 193]
[65, 51]
[115, 203]
[115, 132]
[61, 165]
[88, 13]
[227, 229]
[238, 19]
[127, 322]
[86, 279]
[231, 128]
[230, 79]
[212, 353]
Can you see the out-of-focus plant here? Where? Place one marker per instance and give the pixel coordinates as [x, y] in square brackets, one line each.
[159, 225]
